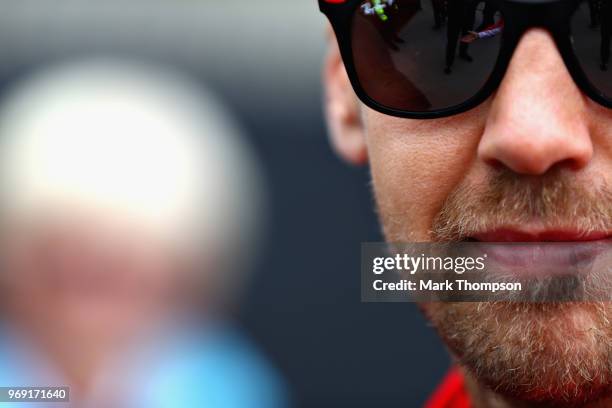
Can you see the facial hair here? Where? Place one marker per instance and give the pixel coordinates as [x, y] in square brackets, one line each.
[557, 354]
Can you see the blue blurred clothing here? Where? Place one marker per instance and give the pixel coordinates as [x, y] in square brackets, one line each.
[176, 367]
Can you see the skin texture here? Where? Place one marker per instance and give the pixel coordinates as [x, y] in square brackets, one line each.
[539, 138]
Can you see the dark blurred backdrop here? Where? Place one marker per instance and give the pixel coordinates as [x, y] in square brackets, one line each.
[262, 58]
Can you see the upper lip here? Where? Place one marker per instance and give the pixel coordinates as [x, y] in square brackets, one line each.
[510, 234]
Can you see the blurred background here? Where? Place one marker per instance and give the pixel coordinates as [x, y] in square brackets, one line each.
[300, 305]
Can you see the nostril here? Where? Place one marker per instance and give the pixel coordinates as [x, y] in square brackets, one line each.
[495, 163]
[534, 167]
[536, 152]
[570, 163]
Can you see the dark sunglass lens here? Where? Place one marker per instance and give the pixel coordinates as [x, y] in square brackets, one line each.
[591, 33]
[425, 55]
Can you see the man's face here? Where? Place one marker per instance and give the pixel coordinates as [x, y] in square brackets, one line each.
[533, 163]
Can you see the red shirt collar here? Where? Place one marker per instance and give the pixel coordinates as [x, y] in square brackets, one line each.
[451, 393]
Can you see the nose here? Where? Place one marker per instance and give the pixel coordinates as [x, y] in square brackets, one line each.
[537, 118]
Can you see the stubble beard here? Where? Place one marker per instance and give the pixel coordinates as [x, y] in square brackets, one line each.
[555, 354]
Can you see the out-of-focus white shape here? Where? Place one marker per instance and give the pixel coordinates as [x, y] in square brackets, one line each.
[272, 48]
[125, 141]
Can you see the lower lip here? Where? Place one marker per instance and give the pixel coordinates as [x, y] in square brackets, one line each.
[530, 257]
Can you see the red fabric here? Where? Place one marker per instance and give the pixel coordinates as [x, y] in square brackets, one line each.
[451, 393]
[500, 23]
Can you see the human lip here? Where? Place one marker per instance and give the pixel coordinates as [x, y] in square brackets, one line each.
[536, 253]
[535, 235]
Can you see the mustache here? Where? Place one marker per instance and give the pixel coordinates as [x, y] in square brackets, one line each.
[553, 200]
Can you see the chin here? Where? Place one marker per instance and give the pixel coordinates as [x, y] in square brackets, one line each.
[556, 355]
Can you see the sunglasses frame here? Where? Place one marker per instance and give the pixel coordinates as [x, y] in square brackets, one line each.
[519, 16]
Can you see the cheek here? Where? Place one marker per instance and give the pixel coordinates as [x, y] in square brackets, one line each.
[415, 166]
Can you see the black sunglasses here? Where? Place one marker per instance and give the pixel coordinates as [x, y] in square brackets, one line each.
[401, 55]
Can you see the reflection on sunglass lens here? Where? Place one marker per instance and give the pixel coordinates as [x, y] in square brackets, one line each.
[591, 33]
[425, 55]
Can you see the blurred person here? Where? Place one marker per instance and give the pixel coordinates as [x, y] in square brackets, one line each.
[129, 205]
[525, 157]
[439, 12]
[488, 16]
[594, 11]
[461, 16]
[605, 22]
